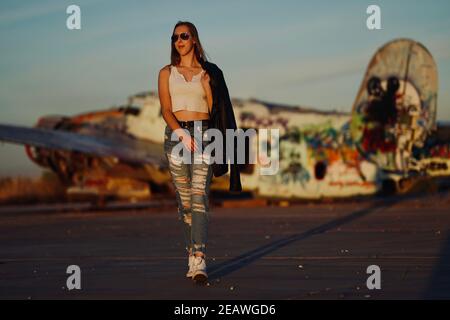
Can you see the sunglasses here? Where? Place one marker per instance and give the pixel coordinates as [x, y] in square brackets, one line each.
[183, 36]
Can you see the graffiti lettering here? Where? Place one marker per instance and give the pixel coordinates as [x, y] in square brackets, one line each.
[250, 120]
[436, 166]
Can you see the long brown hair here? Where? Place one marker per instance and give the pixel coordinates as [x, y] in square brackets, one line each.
[200, 54]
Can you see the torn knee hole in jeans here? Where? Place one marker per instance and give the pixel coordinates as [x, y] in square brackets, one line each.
[199, 208]
[182, 179]
[175, 161]
[201, 172]
[198, 185]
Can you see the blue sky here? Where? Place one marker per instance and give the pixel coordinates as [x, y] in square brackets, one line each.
[311, 53]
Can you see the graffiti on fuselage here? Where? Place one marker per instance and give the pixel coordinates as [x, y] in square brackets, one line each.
[395, 107]
[321, 159]
[390, 121]
[250, 120]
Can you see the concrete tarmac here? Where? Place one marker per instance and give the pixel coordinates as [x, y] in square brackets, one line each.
[303, 251]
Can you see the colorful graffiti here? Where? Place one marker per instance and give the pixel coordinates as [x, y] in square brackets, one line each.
[395, 107]
[320, 159]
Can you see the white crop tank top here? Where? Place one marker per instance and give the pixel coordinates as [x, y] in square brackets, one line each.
[187, 95]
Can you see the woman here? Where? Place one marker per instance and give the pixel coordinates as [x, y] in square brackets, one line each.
[186, 102]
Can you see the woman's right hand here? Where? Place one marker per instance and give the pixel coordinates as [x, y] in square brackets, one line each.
[188, 141]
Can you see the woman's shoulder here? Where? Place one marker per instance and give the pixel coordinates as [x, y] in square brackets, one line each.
[165, 70]
[166, 67]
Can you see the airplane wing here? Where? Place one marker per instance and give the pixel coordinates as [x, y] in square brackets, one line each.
[121, 146]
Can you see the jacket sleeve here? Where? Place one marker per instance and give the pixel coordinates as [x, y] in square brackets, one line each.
[230, 123]
[229, 113]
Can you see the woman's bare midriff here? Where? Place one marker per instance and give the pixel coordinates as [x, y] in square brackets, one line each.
[184, 115]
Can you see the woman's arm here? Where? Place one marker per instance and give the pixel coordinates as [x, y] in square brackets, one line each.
[164, 98]
[207, 87]
[166, 110]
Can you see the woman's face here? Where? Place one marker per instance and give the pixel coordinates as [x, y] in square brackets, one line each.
[183, 46]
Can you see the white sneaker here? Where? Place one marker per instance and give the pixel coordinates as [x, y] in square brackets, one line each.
[190, 272]
[199, 269]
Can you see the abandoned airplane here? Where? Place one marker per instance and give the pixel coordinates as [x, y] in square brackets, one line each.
[390, 139]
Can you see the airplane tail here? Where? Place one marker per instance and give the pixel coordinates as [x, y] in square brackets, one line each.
[395, 108]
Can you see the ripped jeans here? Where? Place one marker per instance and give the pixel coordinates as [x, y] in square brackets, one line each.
[192, 186]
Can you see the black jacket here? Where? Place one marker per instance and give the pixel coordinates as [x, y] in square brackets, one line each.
[222, 118]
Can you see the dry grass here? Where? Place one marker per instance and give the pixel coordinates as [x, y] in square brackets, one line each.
[20, 190]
